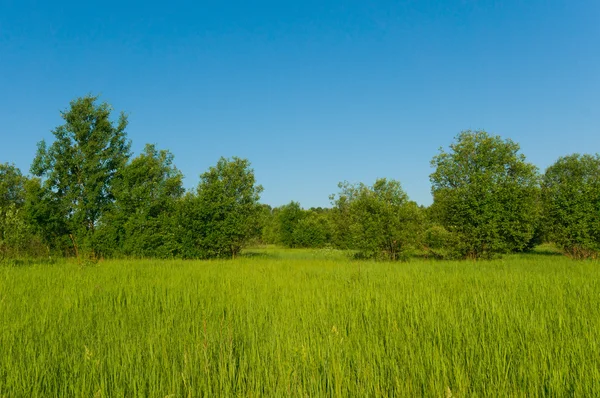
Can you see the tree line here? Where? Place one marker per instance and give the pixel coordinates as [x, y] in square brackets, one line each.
[87, 197]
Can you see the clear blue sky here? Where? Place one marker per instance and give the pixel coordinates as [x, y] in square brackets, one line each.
[312, 92]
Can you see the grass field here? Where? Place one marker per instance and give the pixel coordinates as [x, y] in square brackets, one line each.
[301, 323]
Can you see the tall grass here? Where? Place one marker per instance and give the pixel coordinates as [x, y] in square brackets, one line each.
[298, 323]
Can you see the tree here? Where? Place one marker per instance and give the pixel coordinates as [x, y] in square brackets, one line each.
[313, 230]
[79, 168]
[289, 216]
[141, 220]
[17, 237]
[571, 203]
[12, 199]
[382, 222]
[12, 186]
[221, 218]
[485, 194]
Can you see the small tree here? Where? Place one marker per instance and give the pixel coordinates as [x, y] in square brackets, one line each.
[12, 198]
[78, 169]
[313, 230]
[289, 216]
[571, 203]
[12, 186]
[383, 223]
[17, 237]
[486, 194]
[221, 218]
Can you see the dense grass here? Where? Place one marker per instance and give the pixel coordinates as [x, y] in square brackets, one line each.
[301, 323]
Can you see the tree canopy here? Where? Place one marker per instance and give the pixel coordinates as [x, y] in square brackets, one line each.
[79, 168]
[486, 193]
[220, 218]
[382, 222]
[571, 200]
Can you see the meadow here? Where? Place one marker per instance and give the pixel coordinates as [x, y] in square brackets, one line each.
[277, 322]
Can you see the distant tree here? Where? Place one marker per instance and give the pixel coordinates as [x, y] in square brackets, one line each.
[17, 237]
[340, 218]
[221, 218]
[269, 225]
[264, 221]
[313, 229]
[43, 214]
[12, 187]
[12, 199]
[571, 203]
[289, 216]
[79, 168]
[485, 194]
[382, 222]
[141, 221]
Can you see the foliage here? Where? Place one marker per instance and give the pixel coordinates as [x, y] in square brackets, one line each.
[17, 238]
[79, 168]
[12, 187]
[88, 198]
[439, 243]
[312, 230]
[141, 222]
[221, 218]
[571, 200]
[289, 216]
[13, 232]
[269, 225]
[12, 197]
[486, 194]
[43, 215]
[383, 223]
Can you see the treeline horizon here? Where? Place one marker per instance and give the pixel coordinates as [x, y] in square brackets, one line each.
[88, 197]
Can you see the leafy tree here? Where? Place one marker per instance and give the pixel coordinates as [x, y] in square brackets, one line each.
[12, 198]
[485, 193]
[313, 229]
[17, 237]
[289, 216]
[264, 228]
[221, 218]
[79, 168]
[141, 221]
[383, 223]
[43, 215]
[12, 187]
[571, 202]
[341, 220]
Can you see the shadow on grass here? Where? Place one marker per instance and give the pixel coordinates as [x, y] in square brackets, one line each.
[544, 252]
[26, 262]
[253, 254]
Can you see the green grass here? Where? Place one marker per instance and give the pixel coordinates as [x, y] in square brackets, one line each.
[302, 323]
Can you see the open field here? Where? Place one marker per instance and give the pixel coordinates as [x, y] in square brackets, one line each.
[301, 323]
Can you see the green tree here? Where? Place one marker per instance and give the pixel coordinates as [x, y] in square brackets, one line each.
[485, 194]
[141, 221]
[12, 187]
[12, 199]
[383, 223]
[313, 230]
[571, 203]
[289, 216]
[17, 237]
[222, 217]
[42, 211]
[79, 168]
[265, 232]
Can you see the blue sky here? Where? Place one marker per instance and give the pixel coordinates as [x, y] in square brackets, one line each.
[312, 92]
